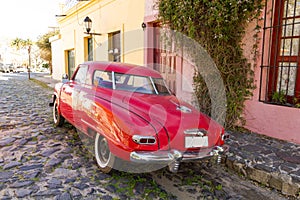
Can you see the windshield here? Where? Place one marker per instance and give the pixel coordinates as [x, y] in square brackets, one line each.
[141, 84]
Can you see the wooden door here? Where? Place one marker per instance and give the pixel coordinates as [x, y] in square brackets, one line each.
[164, 57]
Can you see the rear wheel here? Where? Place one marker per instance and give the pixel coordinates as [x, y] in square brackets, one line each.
[105, 159]
[57, 118]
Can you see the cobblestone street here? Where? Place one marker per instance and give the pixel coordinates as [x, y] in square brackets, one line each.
[38, 161]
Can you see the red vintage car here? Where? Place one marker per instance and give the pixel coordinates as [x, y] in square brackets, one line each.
[132, 116]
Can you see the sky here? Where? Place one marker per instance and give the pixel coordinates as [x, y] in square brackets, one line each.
[27, 19]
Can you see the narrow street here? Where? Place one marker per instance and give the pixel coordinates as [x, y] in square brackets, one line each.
[38, 161]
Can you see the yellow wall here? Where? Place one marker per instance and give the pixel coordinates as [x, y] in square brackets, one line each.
[107, 16]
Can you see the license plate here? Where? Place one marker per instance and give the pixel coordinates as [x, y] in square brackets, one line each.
[194, 142]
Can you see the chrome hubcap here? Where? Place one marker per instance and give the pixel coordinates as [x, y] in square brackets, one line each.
[104, 152]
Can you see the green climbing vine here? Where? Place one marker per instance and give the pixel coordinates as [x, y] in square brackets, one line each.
[219, 27]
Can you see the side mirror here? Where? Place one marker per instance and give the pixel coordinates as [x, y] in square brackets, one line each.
[65, 78]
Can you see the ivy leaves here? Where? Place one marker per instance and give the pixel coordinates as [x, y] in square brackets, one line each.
[219, 27]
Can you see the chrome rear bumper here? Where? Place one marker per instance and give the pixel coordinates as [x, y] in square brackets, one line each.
[166, 157]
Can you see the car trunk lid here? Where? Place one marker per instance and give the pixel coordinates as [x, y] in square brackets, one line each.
[179, 125]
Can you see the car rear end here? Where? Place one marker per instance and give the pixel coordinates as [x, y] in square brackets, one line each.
[183, 133]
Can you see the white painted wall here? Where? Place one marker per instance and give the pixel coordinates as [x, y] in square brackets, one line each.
[57, 57]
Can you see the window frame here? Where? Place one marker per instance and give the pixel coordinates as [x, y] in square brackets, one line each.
[277, 68]
[79, 81]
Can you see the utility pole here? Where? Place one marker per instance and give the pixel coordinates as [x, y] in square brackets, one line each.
[29, 61]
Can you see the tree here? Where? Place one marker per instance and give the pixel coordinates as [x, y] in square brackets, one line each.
[45, 47]
[19, 43]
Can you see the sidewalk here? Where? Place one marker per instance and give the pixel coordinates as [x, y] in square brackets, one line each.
[268, 161]
[46, 78]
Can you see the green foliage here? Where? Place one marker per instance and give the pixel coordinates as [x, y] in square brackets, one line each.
[126, 183]
[43, 40]
[296, 102]
[42, 84]
[20, 43]
[45, 65]
[219, 187]
[219, 27]
[279, 97]
[45, 47]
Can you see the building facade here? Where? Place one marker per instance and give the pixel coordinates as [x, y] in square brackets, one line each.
[116, 34]
[130, 32]
[164, 57]
[274, 108]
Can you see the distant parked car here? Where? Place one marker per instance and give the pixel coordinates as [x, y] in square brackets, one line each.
[11, 68]
[21, 69]
[1, 67]
[131, 115]
[4, 68]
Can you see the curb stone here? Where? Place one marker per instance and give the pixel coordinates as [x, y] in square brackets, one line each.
[255, 157]
[282, 183]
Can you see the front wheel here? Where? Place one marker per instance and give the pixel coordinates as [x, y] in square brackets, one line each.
[105, 159]
[57, 118]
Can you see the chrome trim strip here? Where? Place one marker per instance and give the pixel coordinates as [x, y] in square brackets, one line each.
[195, 131]
[113, 80]
[153, 85]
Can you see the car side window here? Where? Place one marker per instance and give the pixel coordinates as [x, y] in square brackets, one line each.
[80, 76]
[102, 79]
[134, 83]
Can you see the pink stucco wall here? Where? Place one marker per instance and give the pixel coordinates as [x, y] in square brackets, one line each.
[275, 121]
[271, 120]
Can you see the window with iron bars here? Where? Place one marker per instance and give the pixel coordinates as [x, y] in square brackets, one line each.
[280, 72]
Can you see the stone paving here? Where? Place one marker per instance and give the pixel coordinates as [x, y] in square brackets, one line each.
[268, 161]
[271, 162]
[38, 161]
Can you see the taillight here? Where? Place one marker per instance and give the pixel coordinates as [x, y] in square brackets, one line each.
[149, 140]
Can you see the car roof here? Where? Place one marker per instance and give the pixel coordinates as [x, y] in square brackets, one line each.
[123, 68]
